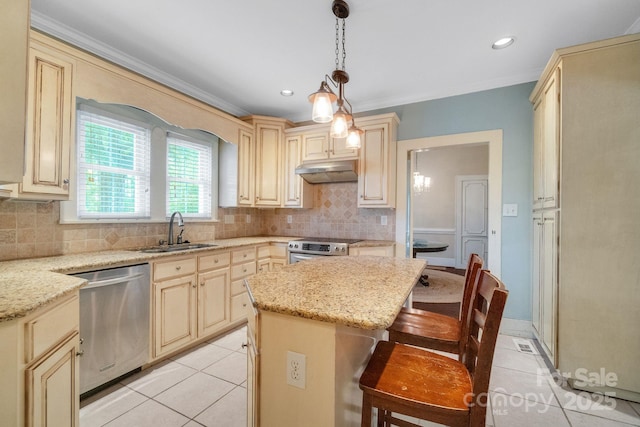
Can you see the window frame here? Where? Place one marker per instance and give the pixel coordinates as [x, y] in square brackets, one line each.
[158, 175]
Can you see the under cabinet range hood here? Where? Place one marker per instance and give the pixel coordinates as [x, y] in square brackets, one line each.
[337, 171]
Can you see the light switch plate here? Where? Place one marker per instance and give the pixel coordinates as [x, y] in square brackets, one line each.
[383, 220]
[510, 209]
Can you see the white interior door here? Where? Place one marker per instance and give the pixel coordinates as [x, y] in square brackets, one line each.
[471, 218]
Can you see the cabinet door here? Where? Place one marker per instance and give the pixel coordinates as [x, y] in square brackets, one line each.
[239, 305]
[253, 373]
[340, 151]
[374, 189]
[315, 146]
[268, 164]
[14, 21]
[175, 314]
[551, 135]
[213, 297]
[50, 113]
[52, 387]
[246, 169]
[549, 286]
[536, 276]
[264, 265]
[538, 153]
[297, 192]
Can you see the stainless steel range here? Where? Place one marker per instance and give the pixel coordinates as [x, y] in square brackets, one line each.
[313, 247]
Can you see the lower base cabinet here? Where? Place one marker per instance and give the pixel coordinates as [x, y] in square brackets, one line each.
[39, 367]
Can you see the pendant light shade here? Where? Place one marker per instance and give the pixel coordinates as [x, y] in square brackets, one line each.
[322, 101]
[340, 123]
[354, 137]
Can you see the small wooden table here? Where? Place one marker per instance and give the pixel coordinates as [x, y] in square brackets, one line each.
[421, 246]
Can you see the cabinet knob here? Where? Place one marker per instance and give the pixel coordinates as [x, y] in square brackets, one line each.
[215, 261]
[79, 353]
[245, 345]
[65, 181]
[178, 267]
[201, 283]
[193, 285]
[244, 270]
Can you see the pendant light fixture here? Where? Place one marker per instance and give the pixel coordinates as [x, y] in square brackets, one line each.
[342, 123]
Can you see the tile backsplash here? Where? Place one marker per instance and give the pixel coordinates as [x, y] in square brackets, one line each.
[33, 229]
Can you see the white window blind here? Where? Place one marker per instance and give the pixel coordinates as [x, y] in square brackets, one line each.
[188, 176]
[113, 165]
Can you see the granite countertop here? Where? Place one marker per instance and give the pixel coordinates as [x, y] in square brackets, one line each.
[364, 292]
[28, 284]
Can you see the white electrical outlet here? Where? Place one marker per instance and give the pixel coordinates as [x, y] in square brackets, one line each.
[248, 219]
[383, 220]
[289, 219]
[296, 369]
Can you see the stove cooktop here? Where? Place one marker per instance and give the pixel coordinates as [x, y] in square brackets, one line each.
[328, 240]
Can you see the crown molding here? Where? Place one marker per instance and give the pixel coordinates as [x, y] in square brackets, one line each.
[76, 38]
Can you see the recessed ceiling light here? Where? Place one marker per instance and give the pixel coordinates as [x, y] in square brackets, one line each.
[286, 92]
[503, 42]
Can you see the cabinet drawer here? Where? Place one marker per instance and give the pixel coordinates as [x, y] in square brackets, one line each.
[239, 305]
[243, 270]
[243, 255]
[167, 269]
[238, 287]
[264, 251]
[217, 260]
[279, 251]
[50, 328]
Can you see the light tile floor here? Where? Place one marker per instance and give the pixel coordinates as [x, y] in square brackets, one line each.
[522, 393]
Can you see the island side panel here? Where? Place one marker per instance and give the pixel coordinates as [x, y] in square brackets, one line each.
[335, 357]
[282, 404]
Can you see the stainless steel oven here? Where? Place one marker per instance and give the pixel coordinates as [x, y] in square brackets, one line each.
[313, 247]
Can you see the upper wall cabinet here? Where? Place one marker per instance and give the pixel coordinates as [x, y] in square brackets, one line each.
[268, 156]
[49, 132]
[546, 144]
[317, 145]
[14, 21]
[377, 165]
[298, 193]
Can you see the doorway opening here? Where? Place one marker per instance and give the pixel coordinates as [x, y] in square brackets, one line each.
[408, 220]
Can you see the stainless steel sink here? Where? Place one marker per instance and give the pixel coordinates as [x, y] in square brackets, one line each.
[175, 248]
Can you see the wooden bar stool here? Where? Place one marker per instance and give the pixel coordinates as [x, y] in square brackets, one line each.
[436, 331]
[413, 381]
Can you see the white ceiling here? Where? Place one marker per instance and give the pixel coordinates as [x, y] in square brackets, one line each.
[238, 55]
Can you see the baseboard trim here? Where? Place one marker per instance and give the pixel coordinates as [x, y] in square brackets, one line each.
[516, 327]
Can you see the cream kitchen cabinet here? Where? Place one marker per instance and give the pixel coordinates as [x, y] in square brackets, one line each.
[243, 265]
[377, 162]
[595, 91]
[214, 280]
[268, 157]
[546, 144]
[317, 145]
[372, 250]
[50, 118]
[545, 278]
[271, 257]
[298, 193]
[246, 168]
[39, 366]
[14, 21]
[190, 299]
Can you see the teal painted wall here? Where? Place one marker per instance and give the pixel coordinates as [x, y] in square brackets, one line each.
[509, 109]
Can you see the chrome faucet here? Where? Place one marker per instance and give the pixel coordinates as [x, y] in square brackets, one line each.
[180, 224]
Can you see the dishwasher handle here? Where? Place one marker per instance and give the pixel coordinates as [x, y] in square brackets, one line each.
[113, 281]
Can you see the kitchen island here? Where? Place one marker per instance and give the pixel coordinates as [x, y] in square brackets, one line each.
[314, 327]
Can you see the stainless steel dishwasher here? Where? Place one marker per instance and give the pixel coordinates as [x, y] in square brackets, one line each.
[114, 324]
